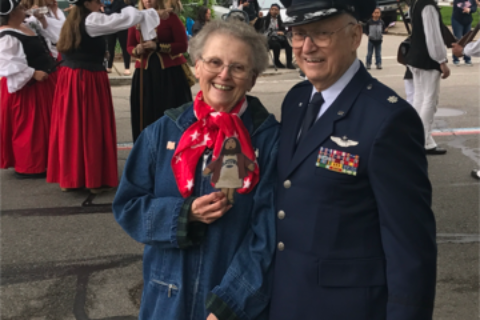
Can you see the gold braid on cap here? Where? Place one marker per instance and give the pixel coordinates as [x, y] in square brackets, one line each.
[164, 47]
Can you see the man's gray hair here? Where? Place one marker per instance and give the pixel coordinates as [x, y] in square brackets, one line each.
[239, 30]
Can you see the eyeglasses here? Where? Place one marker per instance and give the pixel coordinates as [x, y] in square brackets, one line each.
[320, 39]
[215, 65]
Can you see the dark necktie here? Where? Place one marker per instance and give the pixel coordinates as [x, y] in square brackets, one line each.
[311, 115]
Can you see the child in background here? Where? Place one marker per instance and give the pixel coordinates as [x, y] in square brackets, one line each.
[374, 29]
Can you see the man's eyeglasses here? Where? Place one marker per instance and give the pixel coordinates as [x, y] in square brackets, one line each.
[216, 65]
[321, 39]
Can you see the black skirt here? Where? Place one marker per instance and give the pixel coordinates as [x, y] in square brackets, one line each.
[162, 89]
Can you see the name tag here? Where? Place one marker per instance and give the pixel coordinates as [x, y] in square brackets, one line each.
[338, 161]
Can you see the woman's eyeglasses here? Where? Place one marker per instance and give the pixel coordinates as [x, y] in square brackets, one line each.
[216, 65]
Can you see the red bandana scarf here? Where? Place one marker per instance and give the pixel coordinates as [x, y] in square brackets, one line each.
[210, 131]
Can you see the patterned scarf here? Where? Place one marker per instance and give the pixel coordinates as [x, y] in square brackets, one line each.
[210, 131]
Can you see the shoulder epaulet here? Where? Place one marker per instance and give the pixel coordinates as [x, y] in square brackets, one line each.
[382, 93]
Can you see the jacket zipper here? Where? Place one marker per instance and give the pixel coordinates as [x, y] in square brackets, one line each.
[170, 286]
[206, 155]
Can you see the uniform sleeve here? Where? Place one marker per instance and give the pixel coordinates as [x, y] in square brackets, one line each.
[99, 24]
[399, 180]
[13, 64]
[147, 218]
[472, 49]
[433, 34]
[180, 40]
[245, 290]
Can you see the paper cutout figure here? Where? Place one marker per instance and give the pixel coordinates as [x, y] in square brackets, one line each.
[229, 170]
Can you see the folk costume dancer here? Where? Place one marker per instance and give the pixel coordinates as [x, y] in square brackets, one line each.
[55, 18]
[355, 229]
[44, 26]
[472, 49]
[165, 81]
[26, 94]
[427, 59]
[83, 148]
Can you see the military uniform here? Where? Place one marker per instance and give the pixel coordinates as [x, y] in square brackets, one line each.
[355, 229]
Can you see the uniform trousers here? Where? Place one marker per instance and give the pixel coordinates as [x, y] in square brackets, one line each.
[427, 89]
[409, 90]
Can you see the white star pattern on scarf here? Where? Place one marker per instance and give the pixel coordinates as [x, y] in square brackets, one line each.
[189, 184]
[247, 183]
[215, 114]
[203, 143]
[178, 158]
[195, 136]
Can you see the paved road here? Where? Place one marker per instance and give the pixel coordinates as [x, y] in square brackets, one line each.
[64, 256]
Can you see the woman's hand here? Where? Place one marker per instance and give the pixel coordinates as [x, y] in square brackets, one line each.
[40, 17]
[70, 7]
[165, 13]
[211, 316]
[150, 45]
[209, 208]
[40, 75]
[139, 49]
[466, 10]
[445, 70]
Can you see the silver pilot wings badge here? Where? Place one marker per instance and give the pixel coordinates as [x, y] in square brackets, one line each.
[344, 142]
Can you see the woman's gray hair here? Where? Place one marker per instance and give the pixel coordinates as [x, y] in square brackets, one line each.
[241, 31]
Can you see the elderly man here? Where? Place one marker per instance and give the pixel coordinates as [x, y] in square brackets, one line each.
[355, 229]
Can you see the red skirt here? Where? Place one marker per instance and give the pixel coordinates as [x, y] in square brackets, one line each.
[25, 125]
[83, 143]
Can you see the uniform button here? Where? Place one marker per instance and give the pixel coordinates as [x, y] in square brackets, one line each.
[287, 184]
[281, 215]
[281, 246]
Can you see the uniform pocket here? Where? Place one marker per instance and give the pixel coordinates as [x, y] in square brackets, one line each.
[352, 273]
[169, 288]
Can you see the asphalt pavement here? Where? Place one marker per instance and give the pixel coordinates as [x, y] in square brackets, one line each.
[63, 256]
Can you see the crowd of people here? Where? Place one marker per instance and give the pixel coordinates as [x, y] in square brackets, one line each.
[241, 217]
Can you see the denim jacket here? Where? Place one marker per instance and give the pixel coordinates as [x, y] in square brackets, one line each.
[192, 269]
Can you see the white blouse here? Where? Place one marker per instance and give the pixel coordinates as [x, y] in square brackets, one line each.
[13, 62]
[472, 49]
[49, 33]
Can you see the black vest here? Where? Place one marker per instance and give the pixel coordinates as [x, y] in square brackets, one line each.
[418, 56]
[36, 50]
[89, 55]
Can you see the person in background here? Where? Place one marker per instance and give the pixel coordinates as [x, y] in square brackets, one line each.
[116, 6]
[55, 18]
[204, 258]
[427, 59]
[83, 143]
[27, 88]
[374, 29]
[273, 28]
[203, 16]
[462, 23]
[252, 9]
[165, 80]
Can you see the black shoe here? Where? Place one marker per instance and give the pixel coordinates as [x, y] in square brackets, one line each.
[436, 150]
[279, 65]
[291, 66]
[476, 174]
[22, 176]
[379, 66]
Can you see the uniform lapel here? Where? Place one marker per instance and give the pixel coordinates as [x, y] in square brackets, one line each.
[324, 126]
[292, 120]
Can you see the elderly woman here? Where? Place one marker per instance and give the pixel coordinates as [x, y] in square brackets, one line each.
[208, 252]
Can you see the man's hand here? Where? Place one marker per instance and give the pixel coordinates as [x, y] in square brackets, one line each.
[40, 75]
[466, 10]
[211, 316]
[457, 50]
[445, 70]
[280, 33]
[260, 14]
[209, 208]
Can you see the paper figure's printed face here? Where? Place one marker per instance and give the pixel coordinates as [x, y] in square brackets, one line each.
[231, 144]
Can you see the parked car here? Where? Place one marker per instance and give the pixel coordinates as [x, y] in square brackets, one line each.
[389, 10]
